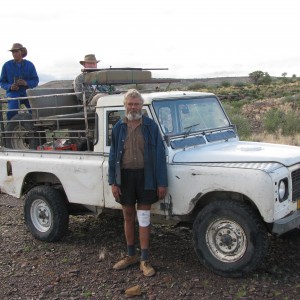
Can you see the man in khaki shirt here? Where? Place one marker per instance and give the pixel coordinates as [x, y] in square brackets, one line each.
[138, 176]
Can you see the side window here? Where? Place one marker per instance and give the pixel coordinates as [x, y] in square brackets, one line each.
[112, 118]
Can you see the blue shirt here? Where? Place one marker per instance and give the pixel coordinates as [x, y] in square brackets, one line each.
[12, 71]
[155, 166]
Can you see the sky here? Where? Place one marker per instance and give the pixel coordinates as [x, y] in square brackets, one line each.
[192, 38]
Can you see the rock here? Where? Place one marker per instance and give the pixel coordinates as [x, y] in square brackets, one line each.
[133, 291]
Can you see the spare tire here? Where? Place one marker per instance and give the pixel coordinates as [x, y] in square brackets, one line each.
[20, 133]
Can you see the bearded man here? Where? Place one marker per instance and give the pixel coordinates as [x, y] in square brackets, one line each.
[137, 175]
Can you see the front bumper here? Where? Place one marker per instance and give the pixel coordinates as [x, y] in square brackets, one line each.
[286, 224]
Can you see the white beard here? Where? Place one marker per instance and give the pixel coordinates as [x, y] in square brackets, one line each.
[131, 116]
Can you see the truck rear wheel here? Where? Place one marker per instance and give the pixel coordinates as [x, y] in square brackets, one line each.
[229, 238]
[20, 133]
[46, 213]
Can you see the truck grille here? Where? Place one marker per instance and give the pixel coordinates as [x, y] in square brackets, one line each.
[296, 184]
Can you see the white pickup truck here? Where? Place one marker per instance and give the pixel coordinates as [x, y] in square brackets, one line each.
[233, 192]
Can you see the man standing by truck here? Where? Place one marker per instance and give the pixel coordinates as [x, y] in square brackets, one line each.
[17, 76]
[138, 176]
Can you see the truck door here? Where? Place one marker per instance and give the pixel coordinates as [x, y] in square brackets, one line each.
[111, 116]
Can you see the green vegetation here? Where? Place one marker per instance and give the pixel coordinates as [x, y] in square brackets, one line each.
[259, 78]
[243, 124]
[241, 293]
[197, 86]
[291, 124]
[27, 249]
[225, 83]
[273, 120]
[65, 260]
[263, 105]
[87, 294]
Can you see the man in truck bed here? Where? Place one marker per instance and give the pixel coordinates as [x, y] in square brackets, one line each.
[89, 62]
[138, 175]
[17, 75]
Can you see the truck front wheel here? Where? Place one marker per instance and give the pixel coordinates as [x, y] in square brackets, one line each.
[229, 238]
[46, 213]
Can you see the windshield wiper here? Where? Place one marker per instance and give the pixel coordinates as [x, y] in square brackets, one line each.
[187, 133]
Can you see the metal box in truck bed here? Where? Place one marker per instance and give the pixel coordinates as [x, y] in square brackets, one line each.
[52, 105]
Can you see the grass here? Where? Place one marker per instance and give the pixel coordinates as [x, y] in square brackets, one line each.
[65, 260]
[241, 293]
[87, 294]
[275, 138]
[27, 249]
[277, 111]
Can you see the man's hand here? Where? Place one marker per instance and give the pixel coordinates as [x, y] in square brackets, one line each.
[116, 191]
[161, 192]
[14, 87]
[21, 82]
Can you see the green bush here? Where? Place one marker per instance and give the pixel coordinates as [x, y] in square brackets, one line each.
[236, 105]
[240, 84]
[290, 125]
[225, 83]
[242, 124]
[197, 86]
[273, 120]
[229, 109]
[292, 99]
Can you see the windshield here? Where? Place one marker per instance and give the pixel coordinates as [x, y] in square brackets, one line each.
[184, 116]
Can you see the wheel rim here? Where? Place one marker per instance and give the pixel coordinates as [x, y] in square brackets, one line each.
[227, 240]
[41, 215]
[19, 139]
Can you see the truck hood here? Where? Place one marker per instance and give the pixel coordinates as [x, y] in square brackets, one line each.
[238, 151]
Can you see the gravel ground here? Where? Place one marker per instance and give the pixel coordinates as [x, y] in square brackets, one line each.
[80, 266]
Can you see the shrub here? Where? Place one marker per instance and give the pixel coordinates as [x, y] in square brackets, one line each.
[240, 84]
[273, 120]
[237, 105]
[197, 86]
[292, 98]
[242, 124]
[290, 125]
[225, 83]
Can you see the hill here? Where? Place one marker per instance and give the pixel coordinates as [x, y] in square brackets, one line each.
[183, 84]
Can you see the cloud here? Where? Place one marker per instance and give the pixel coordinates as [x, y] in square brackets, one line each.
[192, 38]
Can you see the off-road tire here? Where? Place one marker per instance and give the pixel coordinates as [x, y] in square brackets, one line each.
[229, 238]
[46, 213]
[22, 134]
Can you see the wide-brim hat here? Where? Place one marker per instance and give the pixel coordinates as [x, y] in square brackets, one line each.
[18, 46]
[89, 58]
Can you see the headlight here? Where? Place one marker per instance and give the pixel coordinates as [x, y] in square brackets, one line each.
[283, 190]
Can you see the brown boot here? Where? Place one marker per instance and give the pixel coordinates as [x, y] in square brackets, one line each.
[147, 269]
[126, 262]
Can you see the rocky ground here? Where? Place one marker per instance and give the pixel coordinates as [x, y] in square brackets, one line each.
[79, 266]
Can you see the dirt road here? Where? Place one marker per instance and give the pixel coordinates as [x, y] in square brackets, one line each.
[79, 266]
